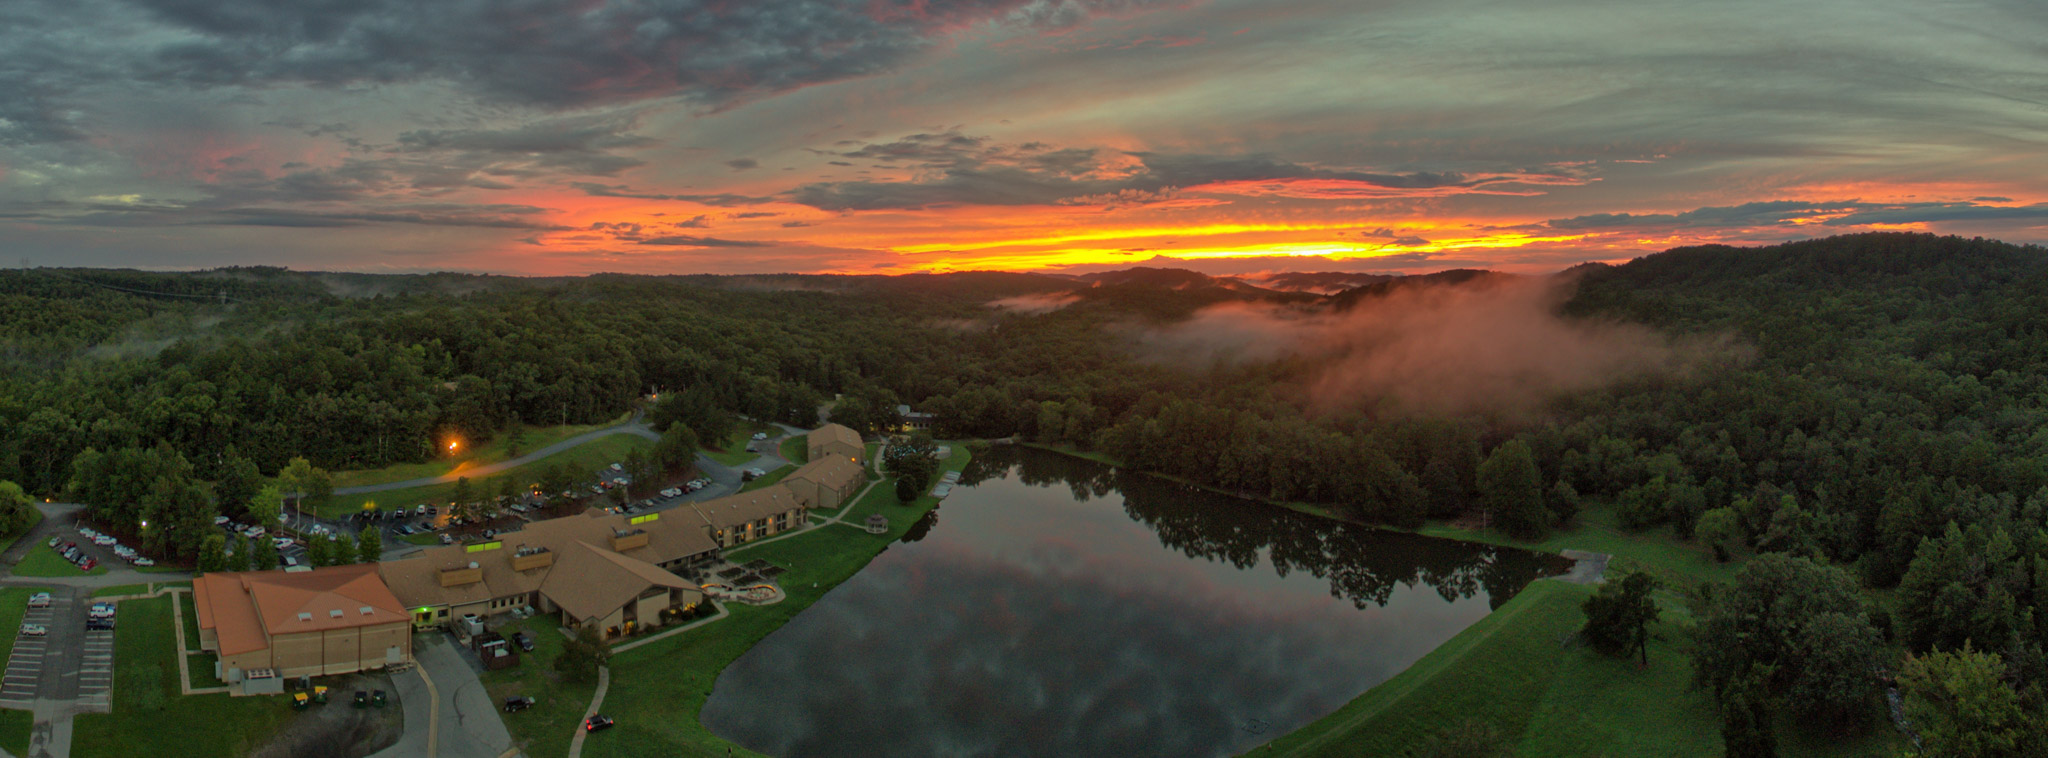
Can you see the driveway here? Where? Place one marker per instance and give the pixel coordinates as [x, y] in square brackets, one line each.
[633, 426]
[470, 725]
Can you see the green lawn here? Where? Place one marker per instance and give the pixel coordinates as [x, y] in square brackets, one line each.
[732, 451]
[191, 615]
[42, 561]
[585, 458]
[1674, 562]
[658, 689]
[150, 718]
[15, 728]
[797, 449]
[874, 449]
[773, 476]
[121, 589]
[530, 438]
[423, 538]
[544, 729]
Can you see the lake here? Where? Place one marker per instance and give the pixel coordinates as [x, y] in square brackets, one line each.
[1057, 607]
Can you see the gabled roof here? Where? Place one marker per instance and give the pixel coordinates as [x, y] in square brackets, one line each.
[671, 535]
[590, 582]
[833, 472]
[733, 510]
[833, 433]
[245, 609]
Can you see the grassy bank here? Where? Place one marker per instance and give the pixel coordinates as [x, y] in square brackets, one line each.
[542, 731]
[772, 477]
[43, 561]
[797, 450]
[503, 448]
[150, 718]
[7, 540]
[732, 451]
[584, 458]
[659, 689]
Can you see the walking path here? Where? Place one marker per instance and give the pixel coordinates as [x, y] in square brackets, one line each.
[634, 426]
[604, 682]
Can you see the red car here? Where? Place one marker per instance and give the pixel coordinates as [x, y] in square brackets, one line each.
[599, 721]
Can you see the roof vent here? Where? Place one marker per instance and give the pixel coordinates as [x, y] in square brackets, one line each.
[472, 564]
[334, 614]
[305, 616]
[365, 610]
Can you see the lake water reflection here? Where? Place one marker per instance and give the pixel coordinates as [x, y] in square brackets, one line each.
[1057, 607]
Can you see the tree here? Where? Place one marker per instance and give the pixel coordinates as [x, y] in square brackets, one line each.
[1962, 706]
[1511, 488]
[639, 469]
[676, 449]
[369, 546]
[264, 507]
[583, 655]
[1803, 619]
[175, 516]
[316, 552]
[1720, 529]
[261, 556]
[212, 553]
[302, 480]
[17, 509]
[238, 483]
[907, 490]
[913, 459]
[1746, 715]
[1618, 616]
[463, 499]
[239, 560]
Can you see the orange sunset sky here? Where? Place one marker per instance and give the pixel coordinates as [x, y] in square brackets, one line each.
[890, 136]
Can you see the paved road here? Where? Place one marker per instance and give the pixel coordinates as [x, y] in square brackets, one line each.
[634, 426]
[470, 723]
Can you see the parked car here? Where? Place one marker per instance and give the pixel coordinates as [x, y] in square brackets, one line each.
[99, 625]
[101, 610]
[33, 630]
[88, 564]
[219, 520]
[145, 562]
[88, 532]
[287, 560]
[617, 467]
[55, 541]
[518, 703]
[760, 436]
[596, 722]
[524, 640]
[104, 540]
[280, 542]
[447, 540]
[39, 600]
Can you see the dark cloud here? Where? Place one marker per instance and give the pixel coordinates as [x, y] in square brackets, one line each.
[753, 214]
[742, 164]
[685, 240]
[722, 199]
[967, 170]
[580, 145]
[564, 53]
[1785, 212]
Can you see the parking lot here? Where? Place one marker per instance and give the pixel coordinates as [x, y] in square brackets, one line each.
[66, 662]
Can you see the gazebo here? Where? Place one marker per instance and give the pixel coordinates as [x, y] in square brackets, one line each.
[878, 524]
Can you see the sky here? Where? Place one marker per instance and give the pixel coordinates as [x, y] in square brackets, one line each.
[546, 137]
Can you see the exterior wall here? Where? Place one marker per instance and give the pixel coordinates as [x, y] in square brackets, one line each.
[857, 452]
[323, 653]
[209, 640]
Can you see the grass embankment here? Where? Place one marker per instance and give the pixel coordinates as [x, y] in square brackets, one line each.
[585, 458]
[772, 477]
[150, 718]
[544, 729]
[43, 561]
[874, 449]
[797, 449]
[501, 448]
[732, 451]
[1513, 671]
[658, 690]
[198, 663]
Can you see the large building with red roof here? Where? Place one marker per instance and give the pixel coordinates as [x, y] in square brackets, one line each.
[270, 625]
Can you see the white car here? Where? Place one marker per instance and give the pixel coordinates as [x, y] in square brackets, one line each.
[39, 600]
[124, 551]
[104, 540]
[33, 630]
[253, 532]
[280, 542]
[219, 520]
[144, 562]
[617, 467]
[88, 532]
[760, 436]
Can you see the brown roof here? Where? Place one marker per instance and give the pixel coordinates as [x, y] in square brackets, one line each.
[245, 609]
[834, 472]
[590, 582]
[832, 433]
[733, 510]
[417, 579]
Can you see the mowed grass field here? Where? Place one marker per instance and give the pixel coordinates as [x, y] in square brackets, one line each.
[14, 725]
[1517, 672]
[43, 561]
[151, 718]
[584, 458]
[501, 448]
